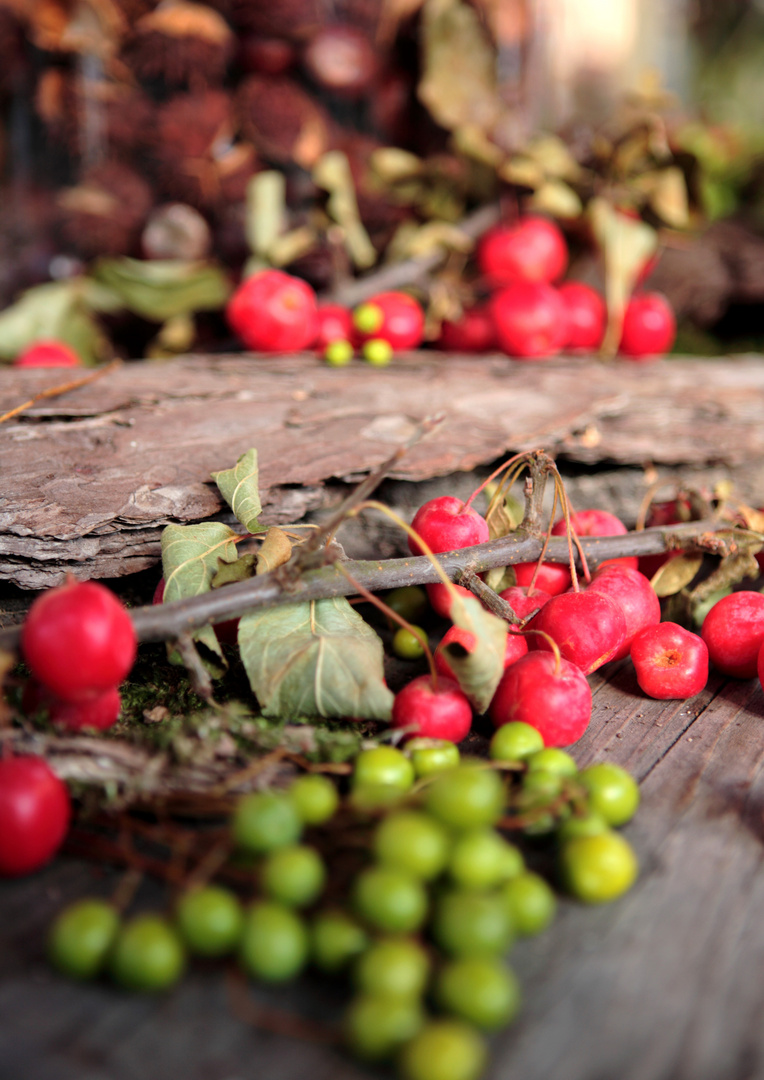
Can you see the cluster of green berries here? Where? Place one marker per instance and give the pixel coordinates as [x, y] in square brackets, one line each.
[428, 913]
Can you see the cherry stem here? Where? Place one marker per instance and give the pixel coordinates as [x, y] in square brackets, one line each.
[505, 465]
[572, 535]
[388, 611]
[506, 484]
[555, 648]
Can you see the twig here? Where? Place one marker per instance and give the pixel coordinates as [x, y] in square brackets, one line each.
[274, 1020]
[61, 388]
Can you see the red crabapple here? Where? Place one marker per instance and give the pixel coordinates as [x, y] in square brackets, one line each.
[516, 647]
[635, 596]
[670, 662]
[588, 628]
[733, 630]
[554, 698]
[100, 712]
[334, 323]
[273, 312]
[586, 316]
[522, 602]
[530, 320]
[394, 317]
[552, 578]
[435, 712]
[597, 523]
[649, 326]
[445, 524]
[441, 598]
[48, 354]
[531, 249]
[473, 333]
[35, 810]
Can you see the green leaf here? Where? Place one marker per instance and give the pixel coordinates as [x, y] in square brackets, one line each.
[241, 570]
[239, 487]
[332, 173]
[57, 309]
[676, 574]
[479, 670]
[315, 659]
[162, 288]
[190, 558]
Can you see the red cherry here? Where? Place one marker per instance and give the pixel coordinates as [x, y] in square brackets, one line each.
[649, 326]
[473, 333]
[35, 810]
[445, 524]
[556, 700]
[335, 323]
[597, 523]
[588, 628]
[395, 317]
[670, 662]
[441, 712]
[441, 598]
[273, 312]
[530, 320]
[634, 595]
[48, 354]
[587, 316]
[516, 647]
[522, 603]
[552, 578]
[533, 249]
[733, 630]
[78, 640]
[98, 712]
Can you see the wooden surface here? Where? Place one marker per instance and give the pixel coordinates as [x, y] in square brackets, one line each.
[665, 984]
[89, 479]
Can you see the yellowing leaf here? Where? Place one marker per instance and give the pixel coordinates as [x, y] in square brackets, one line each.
[557, 198]
[458, 83]
[158, 289]
[676, 574]
[332, 173]
[480, 670]
[315, 659]
[276, 549]
[522, 171]
[392, 164]
[239, 488]
[668, 197]
[554, 157]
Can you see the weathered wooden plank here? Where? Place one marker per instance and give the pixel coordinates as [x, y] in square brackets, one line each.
[89, 479]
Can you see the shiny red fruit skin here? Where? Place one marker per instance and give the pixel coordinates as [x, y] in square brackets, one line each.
[670, 662]
[473, 333]
[335, 323]
[523, 604]
[635, 596]
[552, 578]
[649, 326]
[516, 647]
[597, 523]
[442, 712]
[441, 600]
[533, 249]
[48, 354]
[587, 316]
[274, 312]
[760, 665]
[78, 640]
[402, 321]
[530, 320]
[100, 712]
[445, 525]
[733, 630]
[35, 811]
[588, 628]
[557, 704]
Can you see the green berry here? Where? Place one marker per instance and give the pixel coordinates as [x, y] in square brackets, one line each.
[613, 792]
[147, 954]
[390, 900]
[482, 858]
[552, 760]
[429, 756]
[414, 842]
[406, 645]
[372, 798]
[408, 601]
[274, 943]
[376, 1025]
[590, 824]
[398, 967]
[377, 351]
[515, 741]
[483, 991]
[467, 797]
[472, 923]
[264, 821]
[444, 1050]
[702, 609]
[597, 869]
[335, 940]
[81, 936]
[210, 920]
[338, 353]
[383, 765]
[315, 798]
[531, 903]
[541, 785]
[294, 875]
[368, 318]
